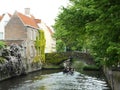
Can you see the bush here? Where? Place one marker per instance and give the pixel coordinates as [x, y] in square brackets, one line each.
[2, 44]
[91, 67]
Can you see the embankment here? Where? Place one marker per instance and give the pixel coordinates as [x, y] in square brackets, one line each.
[113, 78]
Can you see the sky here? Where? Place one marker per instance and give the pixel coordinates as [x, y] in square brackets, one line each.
[46, 10]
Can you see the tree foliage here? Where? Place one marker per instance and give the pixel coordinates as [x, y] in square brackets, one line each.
[92, 25]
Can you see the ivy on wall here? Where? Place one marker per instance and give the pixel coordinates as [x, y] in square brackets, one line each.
[40, 47]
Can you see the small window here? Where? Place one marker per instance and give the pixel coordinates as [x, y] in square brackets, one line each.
[5, 22]
[1, 35]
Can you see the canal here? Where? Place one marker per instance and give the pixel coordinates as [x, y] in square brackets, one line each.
[56, 80]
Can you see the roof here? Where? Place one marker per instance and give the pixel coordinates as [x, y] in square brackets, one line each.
[1, 17]
[9, 15]
[36, 20]
[28, 21]
[51, 32]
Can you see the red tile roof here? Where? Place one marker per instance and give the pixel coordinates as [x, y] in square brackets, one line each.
[0, 18]
[36, 20]
[29, 21]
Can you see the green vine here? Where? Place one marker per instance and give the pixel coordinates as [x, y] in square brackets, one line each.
[40, 47]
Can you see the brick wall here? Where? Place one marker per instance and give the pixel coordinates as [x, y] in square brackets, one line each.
[15, 29]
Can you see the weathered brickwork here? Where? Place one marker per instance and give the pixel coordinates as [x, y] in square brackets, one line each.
[15, 30]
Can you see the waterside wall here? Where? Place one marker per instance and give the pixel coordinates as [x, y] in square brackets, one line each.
[14, 62]
[113, 78]
[13, 69]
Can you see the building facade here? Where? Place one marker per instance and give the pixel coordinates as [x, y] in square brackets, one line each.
[24, 29]
[50, 41]
[3, 21]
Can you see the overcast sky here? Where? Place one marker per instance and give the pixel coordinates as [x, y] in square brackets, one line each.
[46, 10]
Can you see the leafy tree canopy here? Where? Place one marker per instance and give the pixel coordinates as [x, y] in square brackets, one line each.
[91, 25]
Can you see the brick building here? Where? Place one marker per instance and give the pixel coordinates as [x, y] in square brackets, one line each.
[23, 28]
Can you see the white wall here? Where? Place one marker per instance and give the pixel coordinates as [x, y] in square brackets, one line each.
[50, 42]
[3, 22]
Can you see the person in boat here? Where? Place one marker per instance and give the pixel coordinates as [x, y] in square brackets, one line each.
[71, 70]
[68, 67]
[66, 70]
[65, 64]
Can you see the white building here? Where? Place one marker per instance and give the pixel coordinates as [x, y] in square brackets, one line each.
[3, 21]
[50, 41]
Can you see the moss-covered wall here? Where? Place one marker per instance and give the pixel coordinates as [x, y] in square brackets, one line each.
[40, 47]
[57, 58]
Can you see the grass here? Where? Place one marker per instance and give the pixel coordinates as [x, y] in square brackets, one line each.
[91, 67]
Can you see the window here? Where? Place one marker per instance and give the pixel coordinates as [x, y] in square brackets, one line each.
[5, 22]
[1, 35]
[31, 34]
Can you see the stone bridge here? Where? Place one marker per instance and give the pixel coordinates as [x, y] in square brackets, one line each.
[76, 55]
[79, 56]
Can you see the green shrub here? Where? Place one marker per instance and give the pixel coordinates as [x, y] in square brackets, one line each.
[2, 44]
[91, 67]
[55, 58]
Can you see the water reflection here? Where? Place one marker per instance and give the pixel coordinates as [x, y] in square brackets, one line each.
[54, 80]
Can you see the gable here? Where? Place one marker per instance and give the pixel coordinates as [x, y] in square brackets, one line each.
[15, 29]
[15, 20]
[27, 21]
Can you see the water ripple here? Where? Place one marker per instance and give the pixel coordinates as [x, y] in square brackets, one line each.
[60, 81]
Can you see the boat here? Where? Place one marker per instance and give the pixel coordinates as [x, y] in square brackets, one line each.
[68, 70]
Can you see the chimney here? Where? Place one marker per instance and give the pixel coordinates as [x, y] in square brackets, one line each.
[27, 11]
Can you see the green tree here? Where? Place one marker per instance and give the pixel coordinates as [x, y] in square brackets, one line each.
[109, 30]
[92, 25]
[70, 23]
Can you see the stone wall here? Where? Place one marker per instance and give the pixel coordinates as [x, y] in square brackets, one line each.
[15, 30]
[113, 78]
[12, 62]
[58, 58]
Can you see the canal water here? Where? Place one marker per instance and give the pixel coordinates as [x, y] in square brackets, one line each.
[56, 80]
